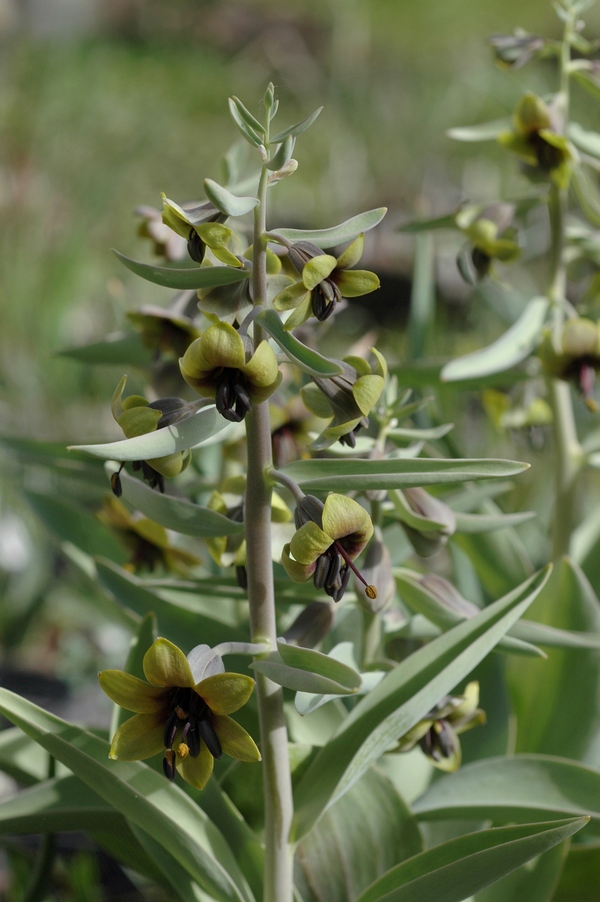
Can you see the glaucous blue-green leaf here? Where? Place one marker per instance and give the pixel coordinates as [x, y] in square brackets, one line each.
[518, 788]
[120, 349]
[510, 349]
[405, 433]
[587, 194]
[247, 130]
[485, 131]
[69, 522]
[364, 834]
[309, 361]
[346, 231]
[283, 154]
[362, 475]
[454, 870]
[177, 277]
[490, 522]
[423, 373]
[585, 140]
[402, 698]
[535, 881]
[305, 702]
[185, 622]
[557, 705]
[163, 810]
[177, 513]
[186, 434]
[247, 116]
[580, 873]
[227, 202]
[179, 880]
[297, 129]
[307, 670]
[22, 759]
[427, 225]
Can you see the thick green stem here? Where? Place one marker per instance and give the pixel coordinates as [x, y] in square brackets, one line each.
[261, 596]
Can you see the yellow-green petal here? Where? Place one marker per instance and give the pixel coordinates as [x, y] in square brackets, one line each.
[214, 234]
[131, 693]
[221, 345]
[317, 269]
[302, 312]
[193, 362]
[352, 254]
[234, 739]
[343, 516]
[166, 665]
[262, 369]
[300, 573]
[356, 282]
[366, 391]
[140, 737]
[310, 542]
[225, 693]
[316, 401]
[381, 366]
[139, 421]
[175, 217]
[290, 297]
[197, 771]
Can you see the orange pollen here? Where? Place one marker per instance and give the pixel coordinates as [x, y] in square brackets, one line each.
[371, 592]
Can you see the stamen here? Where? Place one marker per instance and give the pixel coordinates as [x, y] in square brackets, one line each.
[183, 750]
[211, 739]
[170, 730]
[181, 713]
[370, 591]
[169, 764]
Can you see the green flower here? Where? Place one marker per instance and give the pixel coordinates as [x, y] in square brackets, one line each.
[181, 711]
[348, 398]
[325, 280]
[202, 226]
[536, 140]
[220, 365]
[328, 538]
[165, 243]
[490, 238]
[575, 356]
[138, 416]
[437, 733]
[167, 330]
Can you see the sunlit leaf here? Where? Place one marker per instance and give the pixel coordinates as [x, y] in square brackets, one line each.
[486, 131]
[346, 231]
[228, 203]
[177, 277]
[309, 361]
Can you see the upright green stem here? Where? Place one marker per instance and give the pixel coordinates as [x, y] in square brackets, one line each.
[568, 449]
[261, 596]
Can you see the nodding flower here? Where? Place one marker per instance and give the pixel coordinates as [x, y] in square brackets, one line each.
[329, 537]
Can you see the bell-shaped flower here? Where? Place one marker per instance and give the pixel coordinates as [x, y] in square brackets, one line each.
[324, 281]
[490, 238]
[202, 226]
[232, 303]
[138, 416]
[221, 365]
[329, 537]
[167, 330]
[347, 398]
[165, 242]
[148, 542]
[575, 356]
[537, 140]
[437, 734]
[182, 711]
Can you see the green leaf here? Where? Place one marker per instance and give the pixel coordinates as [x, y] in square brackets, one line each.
[535, 881]
[403, 697]
[177, 513]
[580, 873]
[171, 871]
[428, 225]
[163, 810]
[515, 345]
[247, 116]
[186, 621]
[227, 202]
[490, 522]
[362, 475]
[587, 194]
[120, 349]
[366, 832]
[70, 522]
[188, 433]
[247, 130]
[486, 131]
[557, 705]
[587, 141]
[176, 277]
[306, 670]
[309, 361]
[453, 871]
[346, 231]
[283, 154]
[22, 759]
[516, 789]
[427, 372]
[297, 129]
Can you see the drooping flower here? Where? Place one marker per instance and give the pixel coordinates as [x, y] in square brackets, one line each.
[437, 733]
[202, 226]
[168, 330]
[182, 711]
[220, 365]
[537, 140]
[575, 356]
[348, 398]
[165, 242]
[329, 537]
[138, 416]
[490, 238]
[324, 281]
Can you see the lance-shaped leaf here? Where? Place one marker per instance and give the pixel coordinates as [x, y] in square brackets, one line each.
[454, 870]
[247, 130]
[306, 670]
[177, 513]
[362, 475]
[309, 361]
[517, 789]
[402, 699]
[186, 434]
[346, 231]
[585, 140]
[297, 129]
[163, 810]
[515, 345]
[120, 349]
[176, 277]
[490, 522]
[227, 202]
[486, 131]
